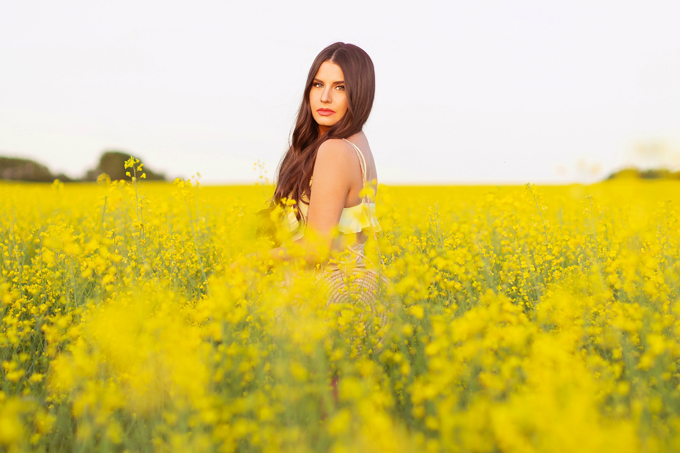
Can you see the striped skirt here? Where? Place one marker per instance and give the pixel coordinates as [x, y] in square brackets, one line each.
[362, 292]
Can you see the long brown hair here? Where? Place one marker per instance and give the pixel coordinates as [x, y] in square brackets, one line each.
[297, 165]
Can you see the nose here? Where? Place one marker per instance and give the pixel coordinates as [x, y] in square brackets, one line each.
[326, 95]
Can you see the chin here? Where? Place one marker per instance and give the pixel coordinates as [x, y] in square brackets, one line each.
[325, 123]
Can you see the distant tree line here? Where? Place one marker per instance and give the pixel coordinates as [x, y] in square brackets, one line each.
[636, 173]
[27, 170]
[111, 162]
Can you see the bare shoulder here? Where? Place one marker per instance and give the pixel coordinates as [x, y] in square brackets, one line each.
[335, 147]
[335, 152]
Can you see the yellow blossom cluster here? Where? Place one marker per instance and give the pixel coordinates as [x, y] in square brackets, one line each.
[137, 316]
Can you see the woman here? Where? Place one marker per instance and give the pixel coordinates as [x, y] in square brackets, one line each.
[323, 177]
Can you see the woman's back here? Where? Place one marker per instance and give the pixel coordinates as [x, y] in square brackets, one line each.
[368, 173]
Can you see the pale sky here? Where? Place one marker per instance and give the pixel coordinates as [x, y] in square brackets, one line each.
[467, 92]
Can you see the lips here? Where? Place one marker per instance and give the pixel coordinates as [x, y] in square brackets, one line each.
[325, 112]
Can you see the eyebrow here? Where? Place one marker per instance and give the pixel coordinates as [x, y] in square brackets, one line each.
[334, 83]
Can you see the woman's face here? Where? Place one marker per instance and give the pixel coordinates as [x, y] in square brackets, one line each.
[327, 97]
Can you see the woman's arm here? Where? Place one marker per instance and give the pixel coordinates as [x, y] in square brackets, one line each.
[335, 169]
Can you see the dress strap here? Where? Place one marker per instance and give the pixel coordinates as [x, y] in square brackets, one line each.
[362, 164]
[362, 160]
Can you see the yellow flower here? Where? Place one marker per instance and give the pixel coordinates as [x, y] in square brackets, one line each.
[130, 163]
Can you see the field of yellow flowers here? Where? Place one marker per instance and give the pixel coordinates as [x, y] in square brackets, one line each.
[520, 319]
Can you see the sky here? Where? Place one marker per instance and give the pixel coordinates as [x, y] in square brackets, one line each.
[473, 92]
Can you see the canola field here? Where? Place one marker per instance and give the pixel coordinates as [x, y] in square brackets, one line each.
[520, 319]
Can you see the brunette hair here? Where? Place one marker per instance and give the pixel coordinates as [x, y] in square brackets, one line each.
[297, 165]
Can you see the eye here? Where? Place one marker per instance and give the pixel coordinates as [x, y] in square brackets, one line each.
[317, 85]
[340, 87]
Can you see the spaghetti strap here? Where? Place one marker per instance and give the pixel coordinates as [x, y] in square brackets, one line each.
[362, 160]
